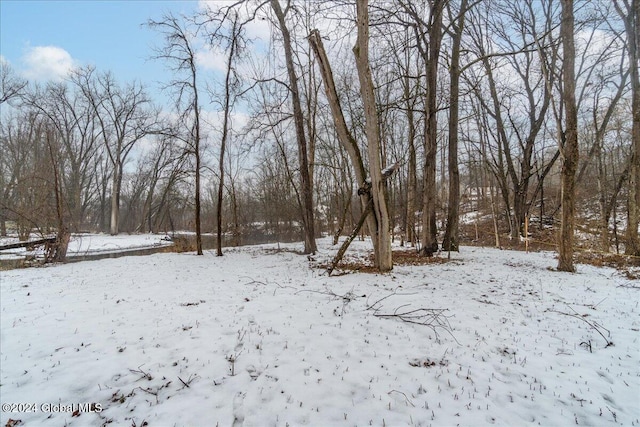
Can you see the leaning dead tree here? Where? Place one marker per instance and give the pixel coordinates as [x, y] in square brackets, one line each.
[373, 195]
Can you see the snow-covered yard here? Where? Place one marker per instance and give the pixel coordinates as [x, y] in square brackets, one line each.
[260, 338]
[91, 244]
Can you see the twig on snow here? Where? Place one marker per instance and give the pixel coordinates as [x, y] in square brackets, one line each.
[405, 396]
[257, 282]
[433, 318]
[189, 380]
[144, 374]
[594, 325]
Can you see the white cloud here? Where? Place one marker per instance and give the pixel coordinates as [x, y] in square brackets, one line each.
[211, 59]
[47, 63]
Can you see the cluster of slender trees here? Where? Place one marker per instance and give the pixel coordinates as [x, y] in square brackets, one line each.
[399, 117]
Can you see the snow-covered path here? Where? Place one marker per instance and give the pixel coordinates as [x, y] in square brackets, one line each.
[258, 338]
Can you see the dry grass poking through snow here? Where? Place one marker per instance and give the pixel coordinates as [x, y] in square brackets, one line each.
[259, 338]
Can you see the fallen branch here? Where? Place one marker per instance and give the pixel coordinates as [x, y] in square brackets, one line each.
[350, 238]
[257, 282]
[596, 327]
[346, 298]
[433, 318]
[28, 244]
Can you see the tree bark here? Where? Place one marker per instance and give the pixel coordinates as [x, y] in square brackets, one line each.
[570, 149]
[383, 257]
[114, 225]
[429, 227]
[196, 150]
[412, 180]
[451, 238]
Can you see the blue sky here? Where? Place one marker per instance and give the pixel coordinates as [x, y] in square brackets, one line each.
[40, 38]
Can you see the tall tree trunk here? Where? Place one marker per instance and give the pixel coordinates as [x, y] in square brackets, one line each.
[451, 235]
[234, 214]
[383, 257]
[631, 17]
[225, 132]
[344, 136]
[303, 159]
[196, 149]
[429, 227]
[412, 180]
[602, 197]
[570, 149]
[179, 52]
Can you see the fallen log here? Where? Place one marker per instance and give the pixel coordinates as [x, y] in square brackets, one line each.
[29, 244]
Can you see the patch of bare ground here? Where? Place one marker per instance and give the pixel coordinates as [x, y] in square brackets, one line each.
[400, 257]
[627, 264]
[545, 239]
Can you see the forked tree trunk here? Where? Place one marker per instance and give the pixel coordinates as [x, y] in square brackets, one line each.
[344, 136]
[429, 228]
[451, 238]
[383, 257]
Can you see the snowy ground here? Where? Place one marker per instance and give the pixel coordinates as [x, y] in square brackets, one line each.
[259, 338]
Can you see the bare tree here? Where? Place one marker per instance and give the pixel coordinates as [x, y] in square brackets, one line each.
[11, 86]
[77, 130]
[298, 117]
[383, 257]
[125, 117]
[629, 11]
[346, 139]
[428, 35]
[180, 54]
[57, 252]
[233, 42]
[569, 147]
[19, 143]
[451, 237]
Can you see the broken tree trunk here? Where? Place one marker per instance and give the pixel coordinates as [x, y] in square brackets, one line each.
[352, 236]
[388, 172]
